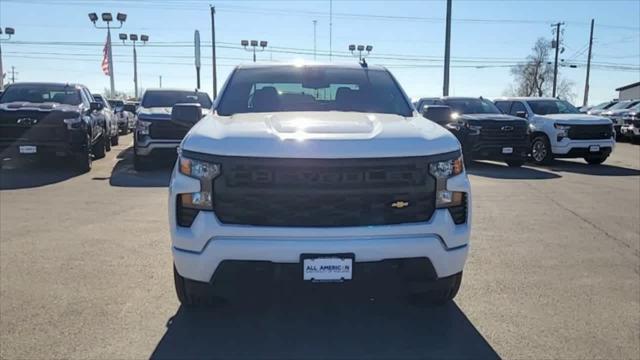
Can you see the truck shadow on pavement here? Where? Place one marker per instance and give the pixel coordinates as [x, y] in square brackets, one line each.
[322, 327]
[24, 174]
[502, 171]
[586, 169]
[124, 175]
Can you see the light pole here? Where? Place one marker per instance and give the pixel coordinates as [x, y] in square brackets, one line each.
[8, 33]
[360, 49]
[134, 38]
[254, 45]
[108, 18]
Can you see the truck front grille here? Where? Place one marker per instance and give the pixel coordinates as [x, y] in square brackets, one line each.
[166, 130]
[590, 132]
[503, 131]
[323, 192]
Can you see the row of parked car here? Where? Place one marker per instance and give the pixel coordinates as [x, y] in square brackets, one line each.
[625, 115]
[520, 128]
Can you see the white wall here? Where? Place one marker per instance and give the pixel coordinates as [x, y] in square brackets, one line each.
[631, 93]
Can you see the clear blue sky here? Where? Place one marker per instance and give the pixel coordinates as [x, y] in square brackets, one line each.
[408, 37]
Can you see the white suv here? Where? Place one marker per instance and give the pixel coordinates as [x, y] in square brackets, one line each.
[559, 130]
[322, 172]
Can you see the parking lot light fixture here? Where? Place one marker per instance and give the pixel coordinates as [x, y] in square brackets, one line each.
[133, 38]
[360, 49]
[254, 44]
[8, 31]
[107, 17]
[122, 37]
[93, 17]
[121, 17]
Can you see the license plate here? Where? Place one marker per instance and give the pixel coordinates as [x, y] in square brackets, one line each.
[27, 149]
[327, 269]
[594, 148]
[507, 150]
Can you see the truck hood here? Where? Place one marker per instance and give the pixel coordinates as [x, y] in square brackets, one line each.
[319, 135]
[47, 106]
[160, 113]
[494, 117]
[577, 119]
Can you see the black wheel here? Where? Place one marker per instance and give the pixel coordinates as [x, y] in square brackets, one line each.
[515, 162]
[81, 161]
[107, 143]
[596, 160]
[100, 147]
[541, 150]
[115, 140]
[443, 290]
[193, 293]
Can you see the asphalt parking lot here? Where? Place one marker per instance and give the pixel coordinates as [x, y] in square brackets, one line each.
[554, 272]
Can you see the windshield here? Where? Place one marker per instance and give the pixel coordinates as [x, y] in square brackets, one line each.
[168, 98]
[313, 89]
[472, 106]
[622, 105]
[129, 108]
[100, 99]
[546, 107]
[42, 93]
[116, 103]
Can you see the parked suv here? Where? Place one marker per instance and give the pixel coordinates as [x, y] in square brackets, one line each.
[631, 127]
[616, 113]
[559, 130]
[323, 172]
[49, 119]
[483, 130]
[126, 119]
[155, 134]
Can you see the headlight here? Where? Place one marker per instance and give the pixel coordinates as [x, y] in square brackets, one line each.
[442, 171]
[205, 172]
[73, 123]
[142, 127]
[563, 130]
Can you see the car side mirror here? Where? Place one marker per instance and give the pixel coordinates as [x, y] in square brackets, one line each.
[440, 114]
[186, 115]
[96, 106]
[521, 114]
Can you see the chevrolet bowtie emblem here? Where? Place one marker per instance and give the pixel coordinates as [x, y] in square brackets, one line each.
[399, 204]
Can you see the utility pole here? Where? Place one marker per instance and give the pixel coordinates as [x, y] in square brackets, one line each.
[315, 22]
[213, 50]
[9, 32]
[555, 65]
[160, 81]
[330, 28]
[13, 74]
[108, 18]
[447, 51]
[586, 83]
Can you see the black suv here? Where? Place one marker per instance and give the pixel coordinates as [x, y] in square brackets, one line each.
[483, 130]
[155, 133]
[51, 119]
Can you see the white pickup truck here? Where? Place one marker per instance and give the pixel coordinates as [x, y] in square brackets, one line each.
[322, 172]
[559, 130]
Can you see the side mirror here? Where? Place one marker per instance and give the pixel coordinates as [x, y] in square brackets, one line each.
[96, 106]
[186, 115]
[440, 114]
[521, 114]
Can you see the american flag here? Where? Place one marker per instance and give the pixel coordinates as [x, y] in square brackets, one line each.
[105, 56]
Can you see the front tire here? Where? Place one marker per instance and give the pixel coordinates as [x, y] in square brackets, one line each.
[192, 293]
[541, 150]
[596, 160]
[445, 290]
[100, 147]
[115, 140]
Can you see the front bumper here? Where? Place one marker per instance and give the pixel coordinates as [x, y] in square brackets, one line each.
[146, 146]
[75, 142]
[630, 131]
[200, 249]
[493, 151]
[567, 147]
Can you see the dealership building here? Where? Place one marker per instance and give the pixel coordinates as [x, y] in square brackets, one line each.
[627, 92]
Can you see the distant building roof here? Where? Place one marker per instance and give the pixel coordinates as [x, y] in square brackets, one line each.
[628, 86]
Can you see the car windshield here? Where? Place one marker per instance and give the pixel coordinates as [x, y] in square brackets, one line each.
[313, 88]
[168, 98]
[546, 107]
[42, 93]
[129, 108]
[621, 105]
[472, 106]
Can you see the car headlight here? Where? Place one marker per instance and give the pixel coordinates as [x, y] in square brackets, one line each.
[205, 172]
[73, 123]
[563, 130]
[142, 127]
[442, 171]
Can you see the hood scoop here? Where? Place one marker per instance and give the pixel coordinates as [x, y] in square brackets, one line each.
[336, 123]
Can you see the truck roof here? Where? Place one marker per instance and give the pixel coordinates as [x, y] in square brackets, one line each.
[311, 64]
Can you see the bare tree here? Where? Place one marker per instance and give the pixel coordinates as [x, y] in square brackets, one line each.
[534, 77]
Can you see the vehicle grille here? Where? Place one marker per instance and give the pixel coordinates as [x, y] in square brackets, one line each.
[165, 129]
[590, 132]
[49, 126]
[323, 192]
[501, 131]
